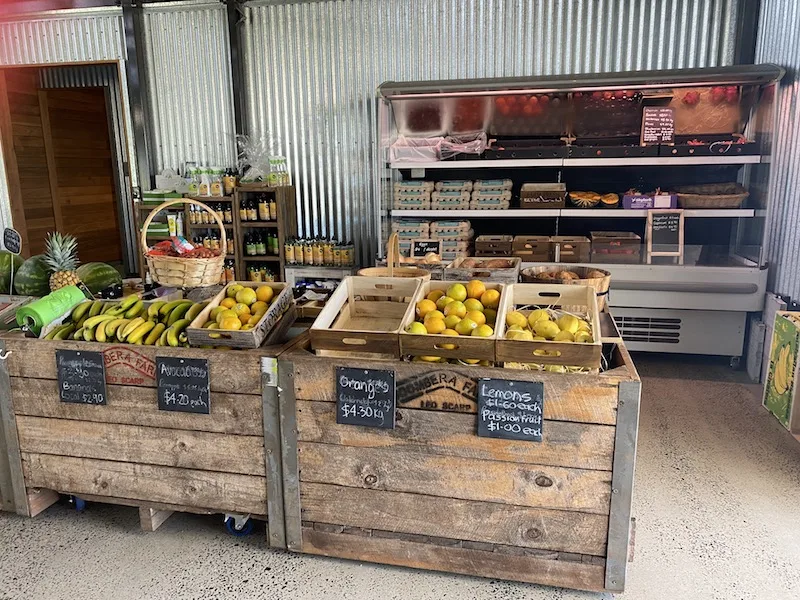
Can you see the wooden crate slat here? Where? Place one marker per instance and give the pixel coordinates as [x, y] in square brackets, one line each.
[147, 483]
[565, 444]
[455, 560]
[487, 522]
[143, 445]
[232, 414]
[468, 479]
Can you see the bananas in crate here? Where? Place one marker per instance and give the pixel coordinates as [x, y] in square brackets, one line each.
[129, 321]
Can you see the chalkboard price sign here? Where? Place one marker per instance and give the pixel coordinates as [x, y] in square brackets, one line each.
[510, 409]
[183, 385]
[365, 397]
[658, 125]
[12, 241]
[665, 234]
[81, 377]
[419, 248]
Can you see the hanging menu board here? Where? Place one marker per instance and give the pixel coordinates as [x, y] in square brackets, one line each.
[510, 410]
[419, 248]
[183, 384]
[665, 234]
[12, 241]
[81, 377]
[365, 397]
[658, 125]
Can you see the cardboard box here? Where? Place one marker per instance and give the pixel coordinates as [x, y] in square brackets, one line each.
[781, 389]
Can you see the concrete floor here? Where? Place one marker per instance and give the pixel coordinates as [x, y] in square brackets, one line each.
[717, 503]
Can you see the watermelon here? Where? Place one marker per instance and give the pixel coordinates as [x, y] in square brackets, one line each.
[6, 259]
[33, 278]
[98, 276]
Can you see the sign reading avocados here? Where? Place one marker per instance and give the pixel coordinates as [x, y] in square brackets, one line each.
[183, 384]
[365, 397]
[510, 409]
[81, 377]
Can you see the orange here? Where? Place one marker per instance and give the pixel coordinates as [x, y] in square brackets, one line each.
[435, 325]
[424, 307]
[452, 321]
[475, 289]
[476, 316]
[490, 298]
[228, 302]
[448, 346]
[473, 304]
[455, 308]
[225, 314]
[230, 324]
[264, 293]
[259, 306]
[245, 318]
[241, 309]
[434, 314]
[246, 296]
[435, 295]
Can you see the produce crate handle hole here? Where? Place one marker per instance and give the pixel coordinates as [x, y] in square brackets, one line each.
[354, 341]
[446, 346]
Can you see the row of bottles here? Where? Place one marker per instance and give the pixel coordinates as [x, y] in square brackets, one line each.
[228, 271]
[261, 244]
[262, 208]
[211, 240]
[199, 216]
[260, 273]
[319, 252]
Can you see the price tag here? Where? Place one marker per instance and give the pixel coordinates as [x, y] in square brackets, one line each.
[658, 125]
[365, 397]
[510, 409]
[664, 233]
[183, 384]
[81, 377]
[419, 248]
[12, 241]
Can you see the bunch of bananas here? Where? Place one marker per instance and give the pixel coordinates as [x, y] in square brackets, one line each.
[129, 321]
[783, 373]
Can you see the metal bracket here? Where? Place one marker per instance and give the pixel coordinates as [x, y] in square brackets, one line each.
[269, 368]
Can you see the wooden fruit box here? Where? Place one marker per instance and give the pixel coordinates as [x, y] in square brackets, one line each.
[463, 269]
[571, 298]
[466, 347]
[364, 316]
[431, 494]
[270, 329]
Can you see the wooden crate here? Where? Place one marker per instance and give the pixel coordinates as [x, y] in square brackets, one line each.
[269, 330]
[466, 347]
[128, 451]
[459, 271]
[572, 298]
[365, 315]
[430, 494]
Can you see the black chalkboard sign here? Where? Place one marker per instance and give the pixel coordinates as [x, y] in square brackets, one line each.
[510, 409]
[183, 384]
[665, 234]
[365, 397]
[658, 125]
[420, 248]
[12, 241]
[81, 377]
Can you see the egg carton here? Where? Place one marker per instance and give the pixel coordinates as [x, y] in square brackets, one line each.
[446, 227]
[450, 200]
[413, 185]
[403, 194]
[411, 203]
[451, 256]
[491, 195]
[454, 185]
[406, 227]
[455, 237]
[493, 184]
[489, 204]
[456, 245]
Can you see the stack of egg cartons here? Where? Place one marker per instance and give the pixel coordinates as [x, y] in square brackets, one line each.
[491, 194]
[451, 195]
[410, 229]
[456, 238]
[412, 194]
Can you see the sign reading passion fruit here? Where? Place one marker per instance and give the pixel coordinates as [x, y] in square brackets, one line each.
[365, 397]
[183, 384]
[510, 409]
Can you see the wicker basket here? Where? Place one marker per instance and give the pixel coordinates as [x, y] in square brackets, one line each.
[600, 284]
[184, 272]
[712, 195]
[392, 259]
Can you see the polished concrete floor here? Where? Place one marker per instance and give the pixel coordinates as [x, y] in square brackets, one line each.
[717, 504]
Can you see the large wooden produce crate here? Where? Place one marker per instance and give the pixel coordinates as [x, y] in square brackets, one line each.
[128, 451]
[431, 494]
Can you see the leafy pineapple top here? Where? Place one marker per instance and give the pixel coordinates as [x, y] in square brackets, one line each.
[61, 252]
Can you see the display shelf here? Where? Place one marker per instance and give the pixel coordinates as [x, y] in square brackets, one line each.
[589, 213]
[208, 225]
[259, 224]
[266, 257]
[638, 161]
[507, 213]
[599, 213]
[480, 164]
[207, 199]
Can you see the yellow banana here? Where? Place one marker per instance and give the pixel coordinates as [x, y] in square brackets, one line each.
[111, 327]
[135, 310]
[53, 332]
[100, 333]
[93, 322]
[176, 314]
[154, 334]
[128, 301]
[152, 310]
[78, 335]
[80, 311]
[195, 310]
[64, 332]
[88, 334]
[137, 334]
[96, 307]
[129, 328]
[175, 331]
[164, 310]
[107, 306]
[162, 340]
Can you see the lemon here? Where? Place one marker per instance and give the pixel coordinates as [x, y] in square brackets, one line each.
[246, 296]
[465, 326]
[434, 314]
[539, 314]
[516, 318]
[473, 304]
[226, 314]
[545, 329]
[435, 295]
[457, 291]
[452, 321]
[416, 328]
[233, 290]
[443, 301]
[563, 336]
[584, 337]
[230, 323]
[456, 308]
[482, 331]
[568, 323]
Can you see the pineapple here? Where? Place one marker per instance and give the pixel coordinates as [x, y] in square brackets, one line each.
[61, 258]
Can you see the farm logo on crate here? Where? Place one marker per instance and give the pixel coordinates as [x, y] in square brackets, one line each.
[127, 367]
[439, 390]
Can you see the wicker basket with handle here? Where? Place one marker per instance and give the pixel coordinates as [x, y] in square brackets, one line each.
[184, 272]
[712, 195]
[392, 259]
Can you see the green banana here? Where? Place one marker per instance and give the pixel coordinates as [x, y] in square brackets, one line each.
[176, 314]
[195, 310]
[129, 328]
[78, 335]
[64, 332]
[152, 310]
[175, 331]
[137, 334]
[111, 327]
[154, 334]
[164, 310]
[93, 322]
[135, 310]
[97, 306]
[162, 340]
[80, 311]
[128, 301]
[54, 331]
[88, 334]
[109, 306]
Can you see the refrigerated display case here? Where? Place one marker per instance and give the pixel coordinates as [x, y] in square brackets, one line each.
[585, 131]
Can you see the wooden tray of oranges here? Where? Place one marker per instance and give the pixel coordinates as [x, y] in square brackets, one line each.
[549, 324]
[453, 320]
[244, 314]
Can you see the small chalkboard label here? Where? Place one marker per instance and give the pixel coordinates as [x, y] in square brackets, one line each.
[665, 234]
[510, 409]
[12, 241]
[419, 248]
[365, 397]
[81, 377]
[658, 125]
[183, 384]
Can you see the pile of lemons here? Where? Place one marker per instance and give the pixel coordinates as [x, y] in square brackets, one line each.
[242, 308]
[543, 324]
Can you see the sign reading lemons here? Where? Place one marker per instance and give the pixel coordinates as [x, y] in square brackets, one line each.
[510, 410]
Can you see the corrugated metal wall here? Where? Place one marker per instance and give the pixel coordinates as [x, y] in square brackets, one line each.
[312, 69]
[188, 76]
[779, 42]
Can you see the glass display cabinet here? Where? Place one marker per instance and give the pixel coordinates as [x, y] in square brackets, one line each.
[698, 140]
